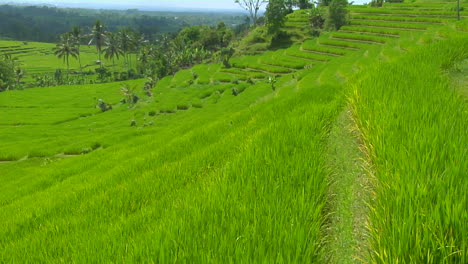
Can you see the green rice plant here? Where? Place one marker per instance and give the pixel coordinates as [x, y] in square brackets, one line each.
[341, 43]
[182, 78]
[197, 103]
[223, 77]
[360, 37]
[244, 75]
[414, 127]
[252, 63]
[236, 179]
[205, 72]
[164, 82]
[384, 31]
[404, 12]
[281, 61]
[415, 26]
[462, 25]
[38, 58]
[298, 19]
[398, 18]
[312, 45]
[296, 51]
[183, 106]
[290, 24]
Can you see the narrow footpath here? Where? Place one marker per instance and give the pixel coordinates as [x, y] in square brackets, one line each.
[349, 192]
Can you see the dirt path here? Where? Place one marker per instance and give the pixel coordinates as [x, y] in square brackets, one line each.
[349, 191]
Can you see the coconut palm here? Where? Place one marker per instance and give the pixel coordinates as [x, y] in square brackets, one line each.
[19, 73]
[112, 49]
[144, 58]
[66, 48]
[98, 36]
[77, 35]
[126, 44]
[138, 42]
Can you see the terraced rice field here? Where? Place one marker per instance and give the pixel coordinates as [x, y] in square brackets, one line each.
[356, 152]
[37, 58]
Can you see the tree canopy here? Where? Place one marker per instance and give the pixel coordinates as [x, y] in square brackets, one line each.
[275, 15]
[252, 6]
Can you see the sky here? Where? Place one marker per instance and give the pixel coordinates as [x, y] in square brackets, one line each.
[143, 4]
[126, 4]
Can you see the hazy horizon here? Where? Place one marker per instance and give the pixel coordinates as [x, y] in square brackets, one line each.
[139, 4]
[153, 5]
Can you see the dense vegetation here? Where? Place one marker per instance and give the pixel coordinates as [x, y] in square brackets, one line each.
[336, 146]
[44, 24]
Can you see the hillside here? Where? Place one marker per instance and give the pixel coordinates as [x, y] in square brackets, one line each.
[346, 148]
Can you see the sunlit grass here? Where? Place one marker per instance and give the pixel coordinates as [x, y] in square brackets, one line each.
[414, 127]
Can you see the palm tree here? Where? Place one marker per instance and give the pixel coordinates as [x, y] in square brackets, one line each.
[98, 36]
[126, 44]
[65, 49]
[19, 73]
[77, 35]
[138, 41]
[144, 57]
[112, 49]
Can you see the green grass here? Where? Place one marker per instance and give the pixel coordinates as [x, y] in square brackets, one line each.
[296, 51]
[349, 192]
[219, 166]
[343, 44]
[252, 62]
[374, 30]
[397, 18]
[416, 135]
[360, 37]
[421, 13]
[246, 199]
[311, 45]
[416, 26]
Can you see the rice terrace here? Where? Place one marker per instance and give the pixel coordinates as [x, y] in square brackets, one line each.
[280, 131]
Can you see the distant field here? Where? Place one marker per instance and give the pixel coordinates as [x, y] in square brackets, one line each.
[37, 58]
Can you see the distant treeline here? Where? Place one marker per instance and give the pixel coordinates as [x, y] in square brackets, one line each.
[45, 24]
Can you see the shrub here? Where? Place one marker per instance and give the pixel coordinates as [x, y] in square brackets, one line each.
[337, 15]
[317, 21]
[183, 107]
[96, 145]
[6, 75]
[376, 3]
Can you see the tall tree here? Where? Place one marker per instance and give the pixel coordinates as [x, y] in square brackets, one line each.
[7, 76]
[98, 36]
[252, 6]
[337, 14]
[112, 49]
[137, 41]
[66, 48]
[304, 4]
[275, 15]
[19, 74]
[290, 4]
[126, 43]
[77, 35]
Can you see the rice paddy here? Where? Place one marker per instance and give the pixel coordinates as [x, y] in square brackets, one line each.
[240, 164]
